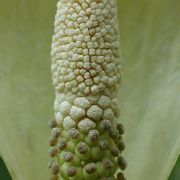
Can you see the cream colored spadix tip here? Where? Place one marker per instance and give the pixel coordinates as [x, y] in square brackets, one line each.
[86, 140]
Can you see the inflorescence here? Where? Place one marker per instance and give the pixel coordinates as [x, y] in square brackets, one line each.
[86, 140]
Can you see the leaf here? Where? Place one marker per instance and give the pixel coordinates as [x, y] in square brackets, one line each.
[149, 94]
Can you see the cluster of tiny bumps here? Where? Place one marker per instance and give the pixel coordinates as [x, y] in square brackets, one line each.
[86, 140]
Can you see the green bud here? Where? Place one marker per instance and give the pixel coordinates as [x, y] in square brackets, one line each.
[120, 128]
[56, 132]
[120, 144]
[71, 172]
[82, 150]
[62, 144]
[120, 176]
[54, 168]
[115, 151]
[105, 125]
[107, 164]
[103, 144]
[53, 151]
[79, 174]
[74, 133]
[53, 141]
[52, 123]
[93, 135]
[122, 162]
[78, 139]
[113, 133]
[67, 156]
[90, 171]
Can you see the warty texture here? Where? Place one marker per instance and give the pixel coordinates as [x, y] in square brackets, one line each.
[86, 141]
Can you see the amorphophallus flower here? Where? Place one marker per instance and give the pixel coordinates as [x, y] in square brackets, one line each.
[86, 141]
[148, 96]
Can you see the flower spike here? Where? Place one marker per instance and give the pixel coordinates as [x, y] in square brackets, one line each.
[86, 140]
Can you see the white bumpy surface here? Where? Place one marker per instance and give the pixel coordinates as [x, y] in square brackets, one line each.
[86, 69]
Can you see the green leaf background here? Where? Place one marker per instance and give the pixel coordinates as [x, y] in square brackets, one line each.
[149, 95]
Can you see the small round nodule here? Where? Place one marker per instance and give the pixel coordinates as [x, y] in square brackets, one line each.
[113, 133]
[120, 176]
[82, 147]
[71, 171]
[120, 145]
[53, 141]
[52, 123]
[93, 135]
[122, 162]
[115, 151]
[54, 168]
[68, 156]
[120, 128]
[53, 151]
[62, 144]
[107, 164]
[90, 168]
[105, 125]
[56, 132]
[74, 133]
[103, 144]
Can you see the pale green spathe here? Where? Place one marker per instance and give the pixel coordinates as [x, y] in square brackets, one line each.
[150, 36]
